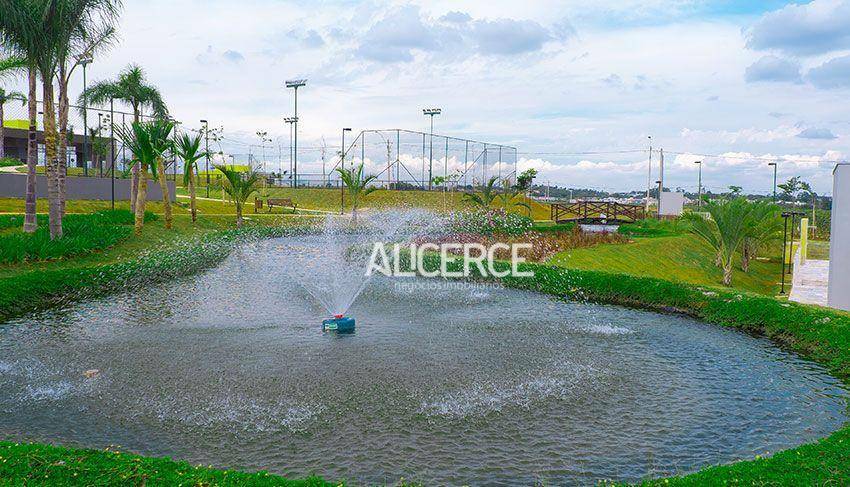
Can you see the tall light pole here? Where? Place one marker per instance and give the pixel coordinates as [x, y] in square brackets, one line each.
[85, 61]
[431, 112]
[774, 179]
[207, 149]
[649, 174]
[699, 185]
[291, 121]
[112, 146]
[342, 166]
[295, 84]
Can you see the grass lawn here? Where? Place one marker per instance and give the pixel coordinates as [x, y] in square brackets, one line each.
[681, 258]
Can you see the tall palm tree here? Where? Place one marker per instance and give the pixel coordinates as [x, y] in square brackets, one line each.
[724, 229]
[20, 32]
[357, 184]
[487, 195]
[239, 186]
[9, 66]
[148, 142]
[188, 149]
[132, 88]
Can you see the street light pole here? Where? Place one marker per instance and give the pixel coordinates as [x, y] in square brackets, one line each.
[207, 149]
[342, 167]
[112, 146]
[774, 179]
[295, 84]
[431, 112]
[291, 121]
[699, 185]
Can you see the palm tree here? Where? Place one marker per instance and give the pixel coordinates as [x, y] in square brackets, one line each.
[508, 197]
[765, 226]
[239, 186]
[9, 65]
[132, 88]
[487, 196]
[148, 142]
[724, 229]
[188, 148]
[357, 184]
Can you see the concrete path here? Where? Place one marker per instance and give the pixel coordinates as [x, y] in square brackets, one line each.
[810, 281]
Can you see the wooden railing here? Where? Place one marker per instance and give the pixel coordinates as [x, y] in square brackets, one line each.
[596, 211]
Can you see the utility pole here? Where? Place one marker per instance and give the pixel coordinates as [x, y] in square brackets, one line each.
[295, 84]
[699, 185]
[774, 179]
[660, 178]
[291, 121]
[206, 130]
[85, 61]
[112, 147]
[431, 112]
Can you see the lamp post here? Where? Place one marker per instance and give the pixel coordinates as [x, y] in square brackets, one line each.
[206, 130]
[291, 121]
[699, 185]
[112, 147]
[431, 112]
[342, 166]
[774, 179]
[85, 61]
[295, 84]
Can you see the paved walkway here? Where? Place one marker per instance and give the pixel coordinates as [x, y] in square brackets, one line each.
[810, 282]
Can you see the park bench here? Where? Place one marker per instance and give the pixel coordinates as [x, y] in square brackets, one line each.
[281, 202]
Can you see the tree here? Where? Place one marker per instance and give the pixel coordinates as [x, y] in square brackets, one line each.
[239, 186]
[357, 184]
[509, 195]
[765, 226]
[132, 88]
[9, 65]
[148, 142]
[790, 188]
[188, 149]
[524, 180]
[724, 229]
[485, 198]
[807, 188]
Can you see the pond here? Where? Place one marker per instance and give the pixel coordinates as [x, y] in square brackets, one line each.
[444, 383]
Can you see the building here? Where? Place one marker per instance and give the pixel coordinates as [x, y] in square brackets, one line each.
[15, 145]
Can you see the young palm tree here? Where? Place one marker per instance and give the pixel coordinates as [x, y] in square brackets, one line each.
[509, 195]
[132, 88]
[487, 196]
[725, 229]
[239, 186]
[188, 149]
[148, 142]
[765, 226]
[357, 184]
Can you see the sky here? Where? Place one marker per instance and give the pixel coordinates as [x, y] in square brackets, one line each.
[577, 87]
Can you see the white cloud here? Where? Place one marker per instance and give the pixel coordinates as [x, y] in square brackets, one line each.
[812, 28]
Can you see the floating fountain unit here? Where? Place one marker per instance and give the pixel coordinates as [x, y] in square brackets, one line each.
[339, 324]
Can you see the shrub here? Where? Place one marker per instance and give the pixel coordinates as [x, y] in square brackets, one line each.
[489, 222]
[655, 228]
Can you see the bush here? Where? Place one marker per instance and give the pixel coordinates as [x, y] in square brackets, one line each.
[556, 228]
[655, 228]
[82, 234]
[10, 161]
[481, 222]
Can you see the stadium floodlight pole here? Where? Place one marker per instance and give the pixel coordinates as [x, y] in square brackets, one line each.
[649, 174]
[431, 112]
[295, 84]
[84, 61]
[699, 185]
[291, 121]
[774, 179]
[342, 167]
[206, 130]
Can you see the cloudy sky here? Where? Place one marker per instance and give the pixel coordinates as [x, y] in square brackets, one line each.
[574, 85]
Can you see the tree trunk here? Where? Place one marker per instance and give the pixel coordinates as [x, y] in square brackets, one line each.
[2, 134]
[134, 178]
[30, 222]
[238, 214]
[141, 197]
[62, 159]
[192, 203]
[727, 274]
[54, 207]
[746, 254]
[166, 197]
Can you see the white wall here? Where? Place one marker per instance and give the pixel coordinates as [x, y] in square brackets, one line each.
[839, 241]
[672, 203]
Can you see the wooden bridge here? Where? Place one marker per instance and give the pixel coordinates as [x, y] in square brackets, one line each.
[596, 212]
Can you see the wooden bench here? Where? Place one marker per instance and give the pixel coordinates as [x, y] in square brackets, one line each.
[281, 202]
